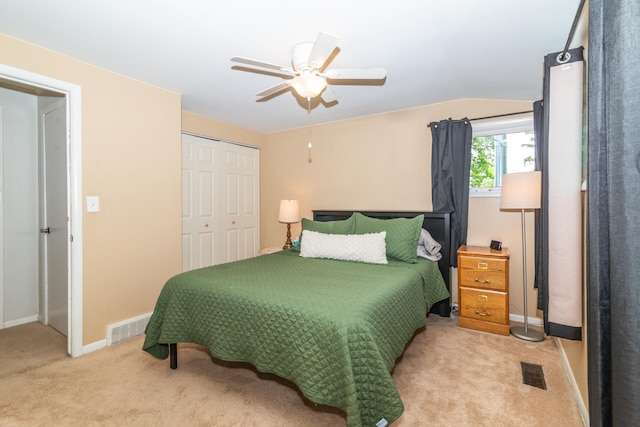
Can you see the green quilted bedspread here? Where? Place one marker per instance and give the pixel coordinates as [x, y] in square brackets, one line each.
[334, 328]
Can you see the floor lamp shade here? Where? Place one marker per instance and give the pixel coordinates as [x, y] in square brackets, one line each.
[289, 213]
[521, 192]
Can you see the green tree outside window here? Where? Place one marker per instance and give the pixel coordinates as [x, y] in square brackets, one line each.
[483, 158]
[494, 155]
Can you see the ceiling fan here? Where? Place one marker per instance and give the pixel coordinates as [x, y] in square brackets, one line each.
[308, 76]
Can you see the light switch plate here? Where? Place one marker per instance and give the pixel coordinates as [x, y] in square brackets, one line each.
[93, 204]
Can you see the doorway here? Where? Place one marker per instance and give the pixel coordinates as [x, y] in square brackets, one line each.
[71, 233]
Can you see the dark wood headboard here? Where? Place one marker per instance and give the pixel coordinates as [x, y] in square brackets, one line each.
[438, 224]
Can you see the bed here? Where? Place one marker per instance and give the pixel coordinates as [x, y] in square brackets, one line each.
[333, 327]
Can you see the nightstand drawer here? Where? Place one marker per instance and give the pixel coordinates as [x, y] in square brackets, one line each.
[483, 264]
[488, 306]
[485, 279]
[483, 289]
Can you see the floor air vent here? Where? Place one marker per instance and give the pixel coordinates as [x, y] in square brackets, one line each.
[127, 329]
[532, 375]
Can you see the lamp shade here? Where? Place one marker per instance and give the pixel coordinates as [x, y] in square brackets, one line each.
[308, 85]
[521, 191]
[289, 211]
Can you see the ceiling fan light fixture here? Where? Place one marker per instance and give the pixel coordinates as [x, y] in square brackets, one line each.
[309, 85]
[309, 61]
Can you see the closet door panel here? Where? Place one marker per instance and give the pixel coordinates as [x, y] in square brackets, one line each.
[221, 202]
[200, 216]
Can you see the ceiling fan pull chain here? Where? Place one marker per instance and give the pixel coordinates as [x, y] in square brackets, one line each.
[309, 125]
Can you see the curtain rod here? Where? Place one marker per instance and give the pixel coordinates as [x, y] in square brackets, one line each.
[563, 57]
[497, 115]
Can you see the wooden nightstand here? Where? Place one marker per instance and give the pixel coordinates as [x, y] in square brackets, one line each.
[483, 289]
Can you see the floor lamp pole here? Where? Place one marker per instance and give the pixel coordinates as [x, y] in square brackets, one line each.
[518, 331]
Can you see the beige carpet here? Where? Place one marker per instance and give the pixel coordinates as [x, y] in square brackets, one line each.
[447, 376]
[29, 346]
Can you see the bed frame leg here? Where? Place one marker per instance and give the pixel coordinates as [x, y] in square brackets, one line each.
[173, 355]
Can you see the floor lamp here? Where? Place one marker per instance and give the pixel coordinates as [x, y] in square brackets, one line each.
[289, 213]
[522, 192]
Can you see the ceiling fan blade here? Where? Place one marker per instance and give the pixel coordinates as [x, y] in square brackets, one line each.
[275, 89]
[322, 49]
[258, 63]
[328, 96]
[356, 73]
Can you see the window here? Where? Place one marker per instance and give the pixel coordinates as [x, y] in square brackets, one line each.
[497, 148]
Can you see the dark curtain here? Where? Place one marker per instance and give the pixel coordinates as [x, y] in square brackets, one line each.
[542, 214]
[450, 169]
[613, 215]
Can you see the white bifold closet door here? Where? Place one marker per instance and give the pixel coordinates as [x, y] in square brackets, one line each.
[220, 202]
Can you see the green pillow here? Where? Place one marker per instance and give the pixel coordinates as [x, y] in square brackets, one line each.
[402, 234]
[345, 226]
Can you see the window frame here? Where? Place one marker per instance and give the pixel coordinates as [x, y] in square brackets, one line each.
[495, 127]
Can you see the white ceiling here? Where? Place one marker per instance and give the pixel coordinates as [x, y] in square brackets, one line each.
[433, 50]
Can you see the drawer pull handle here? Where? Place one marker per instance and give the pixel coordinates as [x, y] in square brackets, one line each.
[481, 313]
[483, 265]
[481, 281]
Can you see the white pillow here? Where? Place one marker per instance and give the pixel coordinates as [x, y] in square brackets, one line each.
[370, 248]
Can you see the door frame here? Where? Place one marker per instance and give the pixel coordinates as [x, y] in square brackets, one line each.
[73, 95]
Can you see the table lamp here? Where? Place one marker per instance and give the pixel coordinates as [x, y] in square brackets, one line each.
[289, 213]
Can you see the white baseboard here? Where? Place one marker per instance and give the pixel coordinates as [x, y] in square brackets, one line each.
[94, 346]
[22, 321]
[582, 408]
[535, 321]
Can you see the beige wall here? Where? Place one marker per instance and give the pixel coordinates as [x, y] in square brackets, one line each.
[205, 126]
[131, 160]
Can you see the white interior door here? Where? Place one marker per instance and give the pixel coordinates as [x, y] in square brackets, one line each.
[54, 223]
[220, 202]
[200, 206]
[241, 203]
